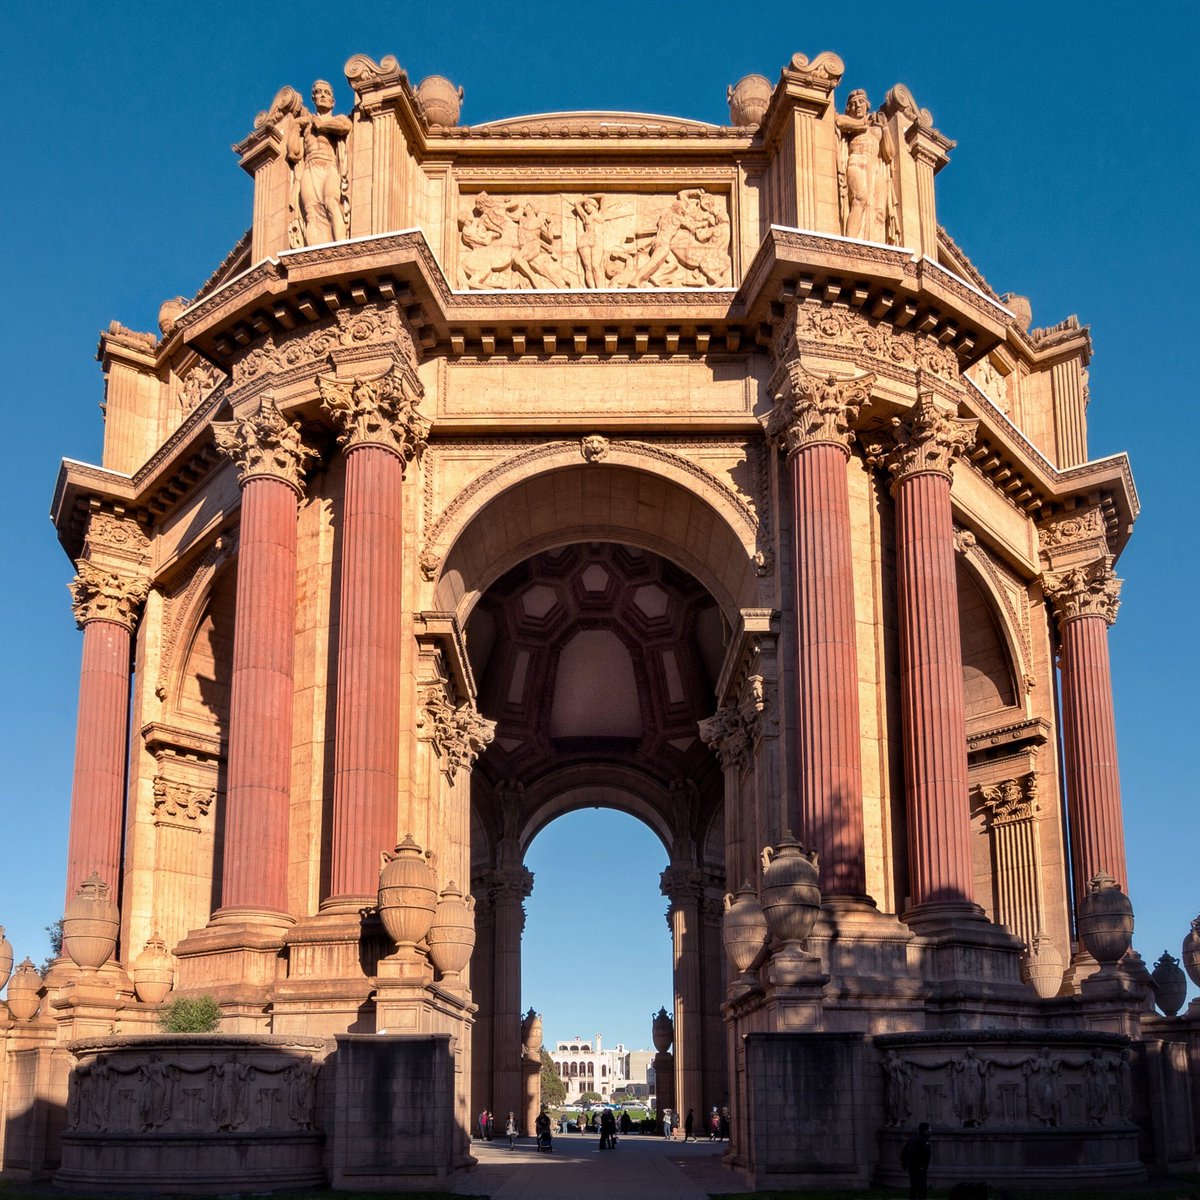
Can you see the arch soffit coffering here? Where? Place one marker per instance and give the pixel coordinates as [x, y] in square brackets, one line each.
[734, 584]
[982, 570]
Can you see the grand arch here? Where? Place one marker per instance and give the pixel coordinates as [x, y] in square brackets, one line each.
[598, 658]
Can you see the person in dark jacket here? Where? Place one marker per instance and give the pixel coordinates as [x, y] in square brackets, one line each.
[914, 1158]
[689, 1127]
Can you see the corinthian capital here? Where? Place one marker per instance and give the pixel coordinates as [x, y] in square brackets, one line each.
[100, 595]
[725, 734]
[265, 444]
[1091, 590]
[377, 410]
[927, 440]
[459, 734]
[816, 409]
[1011, 801]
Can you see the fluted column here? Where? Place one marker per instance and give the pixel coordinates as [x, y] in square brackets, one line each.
[1085, 600]
[106, 606]
[381, 433]
[271, 458]
[683, 886]
[811, 422]
[510, 887]
[931, 683]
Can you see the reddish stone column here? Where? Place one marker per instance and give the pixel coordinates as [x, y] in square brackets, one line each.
[931, 684]
[381, 433]
[811, 422]
[1085, 603]
[106, 605]
[271, 459]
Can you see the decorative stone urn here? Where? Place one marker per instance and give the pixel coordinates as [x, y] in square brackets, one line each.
[662, 1031]
[748, 100]
[1170, 985]
[451, 937]
[1105, 921]
[791, 895]
[23, 989]
[1191, 953]
[408, 897]
[744, 929]
[1042, 967]
[90, 925]
[439, 100]
[531, 1034]
[5, 958]
[153, 971]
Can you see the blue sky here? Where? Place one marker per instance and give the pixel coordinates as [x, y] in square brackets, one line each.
[1075, 182]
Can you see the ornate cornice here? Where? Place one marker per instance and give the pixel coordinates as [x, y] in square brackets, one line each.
[265, 445]
[1090, 590]
[101, 595]
[927, 441]
[377, 410]
[817, 409]
[459, 733]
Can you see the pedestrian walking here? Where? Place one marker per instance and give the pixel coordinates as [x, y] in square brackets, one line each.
[689, 1124]
[510, 1128]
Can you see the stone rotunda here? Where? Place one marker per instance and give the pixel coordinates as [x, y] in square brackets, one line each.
[595, 459]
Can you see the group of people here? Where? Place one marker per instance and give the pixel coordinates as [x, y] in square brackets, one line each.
[715, 1125]
[486, 1127]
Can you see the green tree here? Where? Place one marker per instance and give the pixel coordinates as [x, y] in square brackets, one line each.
[590, 1098]
[554, 1091]
[190, 1014]
[55, 934]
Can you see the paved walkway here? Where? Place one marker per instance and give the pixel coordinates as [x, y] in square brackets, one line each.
[640, 1168]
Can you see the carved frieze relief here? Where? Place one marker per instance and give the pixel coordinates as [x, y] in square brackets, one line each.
[116, 542]
[597, 240]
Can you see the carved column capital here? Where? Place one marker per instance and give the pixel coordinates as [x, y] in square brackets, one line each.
[1011, 801]
[459, 733]
[816, 409]
[265, 445]
[510, 885]
[725, 734]
[682, 885]
[180, 801]
[377, 410]
[927, 440]
[1090, 590]
[101, 595]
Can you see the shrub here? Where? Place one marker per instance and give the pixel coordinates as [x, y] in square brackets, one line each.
[190, 1014]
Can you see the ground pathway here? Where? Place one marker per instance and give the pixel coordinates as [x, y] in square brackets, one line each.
[640, 1168]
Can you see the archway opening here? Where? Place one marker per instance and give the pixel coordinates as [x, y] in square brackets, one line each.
[597, 661]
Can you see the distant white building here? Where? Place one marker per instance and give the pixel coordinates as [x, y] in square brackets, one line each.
[587, 1067]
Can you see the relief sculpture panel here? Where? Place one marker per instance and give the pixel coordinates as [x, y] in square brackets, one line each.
[595, 240]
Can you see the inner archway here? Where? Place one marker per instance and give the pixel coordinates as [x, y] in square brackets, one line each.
[597, 661]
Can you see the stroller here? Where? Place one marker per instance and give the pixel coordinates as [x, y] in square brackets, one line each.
[542, 1128]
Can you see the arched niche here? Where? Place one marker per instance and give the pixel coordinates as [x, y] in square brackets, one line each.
[989, 674]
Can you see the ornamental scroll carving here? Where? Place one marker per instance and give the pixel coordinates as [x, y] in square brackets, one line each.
[927, 440]
[816, 409]
[265, 445]
[367, 329]
[1076, 527]
[101, 595]
[180, 801]
[459, 733]
[377, 410]
[734, 731]
[119, 536]
[1011, 801]
[615, 240]
[871, 342]
[1091, 590]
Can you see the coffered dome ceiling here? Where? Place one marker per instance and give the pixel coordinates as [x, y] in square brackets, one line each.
[596, 651]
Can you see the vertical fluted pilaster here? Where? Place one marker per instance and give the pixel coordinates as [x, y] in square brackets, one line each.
[511, 887]
[683, 887]
[367, 751]
[270, 457]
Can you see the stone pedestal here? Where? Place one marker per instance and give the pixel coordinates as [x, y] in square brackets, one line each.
[527, 1114]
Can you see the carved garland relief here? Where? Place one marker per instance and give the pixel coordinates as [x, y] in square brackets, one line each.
[595, 240]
